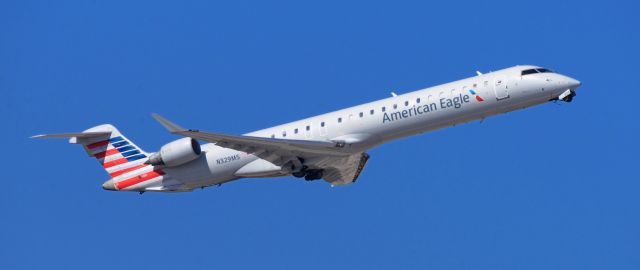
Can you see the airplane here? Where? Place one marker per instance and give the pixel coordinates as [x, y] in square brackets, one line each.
[331, 146]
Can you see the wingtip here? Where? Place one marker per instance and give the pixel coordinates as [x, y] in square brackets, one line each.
[172, 127]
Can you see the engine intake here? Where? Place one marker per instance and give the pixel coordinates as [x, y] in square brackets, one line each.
[176, 153]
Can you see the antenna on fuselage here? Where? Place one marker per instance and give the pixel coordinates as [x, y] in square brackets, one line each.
[393, 94]
[478, 72]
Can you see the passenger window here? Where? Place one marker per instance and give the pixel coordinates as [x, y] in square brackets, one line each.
[295, 131]
[339, 119]
[406, 103]
[361, 114]
[418, 100]
[395, 106]
[475, 85]
[384, 109]
[322, 124]
[273, 136]
[371, 112]
[308, 128]
[284, 134]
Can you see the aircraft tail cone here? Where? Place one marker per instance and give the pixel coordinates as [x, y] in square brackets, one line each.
[108, 185]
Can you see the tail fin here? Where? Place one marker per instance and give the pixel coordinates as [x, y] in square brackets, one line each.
[114, 151]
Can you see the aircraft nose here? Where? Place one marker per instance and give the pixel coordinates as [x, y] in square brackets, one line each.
[108, 185]
[573, 83]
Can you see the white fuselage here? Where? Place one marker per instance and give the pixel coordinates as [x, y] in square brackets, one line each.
[368, 125]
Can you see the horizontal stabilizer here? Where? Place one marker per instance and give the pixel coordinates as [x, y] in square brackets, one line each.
[71, 135]
[116, 154]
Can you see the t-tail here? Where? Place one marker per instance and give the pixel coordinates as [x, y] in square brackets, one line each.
[121, 158]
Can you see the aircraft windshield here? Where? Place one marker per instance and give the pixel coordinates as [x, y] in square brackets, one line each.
[535, 70]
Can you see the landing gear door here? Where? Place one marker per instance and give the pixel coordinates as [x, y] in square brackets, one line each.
[501, 88]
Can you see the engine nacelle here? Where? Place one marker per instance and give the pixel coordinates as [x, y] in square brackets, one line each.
[176, 153]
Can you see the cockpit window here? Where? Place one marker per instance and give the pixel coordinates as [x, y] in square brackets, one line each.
[544, 70]
[534, 70]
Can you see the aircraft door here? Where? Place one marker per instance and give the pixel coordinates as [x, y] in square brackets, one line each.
[501, 88]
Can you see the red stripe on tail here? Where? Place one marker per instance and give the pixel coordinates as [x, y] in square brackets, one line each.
[98, 144]
[121, 172]
[112, 163]
[107, 153]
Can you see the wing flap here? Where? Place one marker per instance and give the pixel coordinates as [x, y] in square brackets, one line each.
[346, 171]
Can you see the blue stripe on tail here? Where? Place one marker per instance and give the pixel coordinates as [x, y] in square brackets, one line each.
[132, 158]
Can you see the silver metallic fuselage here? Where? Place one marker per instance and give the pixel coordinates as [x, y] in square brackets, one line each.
[361, 128]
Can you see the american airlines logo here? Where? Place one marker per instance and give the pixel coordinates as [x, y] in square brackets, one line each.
[473, 93]
[443, 103]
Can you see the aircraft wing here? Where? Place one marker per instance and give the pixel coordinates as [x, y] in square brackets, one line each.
[252, 144]
[340, 166]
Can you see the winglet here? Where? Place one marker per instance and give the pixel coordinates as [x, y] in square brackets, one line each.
[172, 127]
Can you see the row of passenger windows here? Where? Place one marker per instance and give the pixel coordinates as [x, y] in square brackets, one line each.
[371, 112]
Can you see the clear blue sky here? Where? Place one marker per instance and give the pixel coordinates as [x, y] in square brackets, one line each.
[551, 187]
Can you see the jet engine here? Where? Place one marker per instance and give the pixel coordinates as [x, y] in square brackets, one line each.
[176, 153]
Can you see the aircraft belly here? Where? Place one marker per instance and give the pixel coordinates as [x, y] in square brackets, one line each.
[259, 168]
